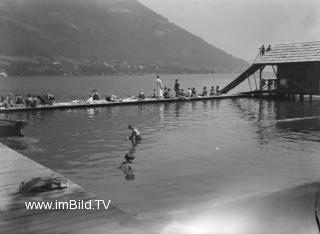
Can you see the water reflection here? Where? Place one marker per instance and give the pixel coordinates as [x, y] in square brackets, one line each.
[127, 165]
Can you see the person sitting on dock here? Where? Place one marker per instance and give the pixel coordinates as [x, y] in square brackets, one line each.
[166, 93]
[193, 92]
[19, 100]
[135, 136]
[182, 93]
[95, 95]
[2, 101]
[50, 98]
[34, 101]
[141, 95]
[9, 100]
[189, 93]
[154, 93]
[176, 87]
[268, 48]
[204, 91]
[212, 93]
[28, 100]
[217, 90]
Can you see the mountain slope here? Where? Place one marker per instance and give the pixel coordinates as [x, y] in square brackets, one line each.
[118, 31]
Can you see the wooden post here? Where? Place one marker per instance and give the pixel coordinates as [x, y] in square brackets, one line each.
[260, 83]
[254, 76]
[310, 98]
[301, 98]
[249, 83]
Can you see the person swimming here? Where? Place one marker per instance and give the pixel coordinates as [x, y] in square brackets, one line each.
[135, 136]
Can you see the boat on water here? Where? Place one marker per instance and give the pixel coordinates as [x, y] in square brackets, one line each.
[11, 127]
[3, 74]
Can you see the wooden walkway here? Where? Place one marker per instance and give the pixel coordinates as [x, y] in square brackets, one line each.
[84, 105]
[15, 218]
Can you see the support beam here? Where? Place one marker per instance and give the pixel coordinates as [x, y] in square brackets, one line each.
[301, 98]
[249, 83]
[255, 81]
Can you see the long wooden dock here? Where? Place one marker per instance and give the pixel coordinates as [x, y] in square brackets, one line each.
[16, 219]
[71, 105]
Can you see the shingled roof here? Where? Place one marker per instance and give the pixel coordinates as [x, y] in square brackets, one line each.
[291, 53]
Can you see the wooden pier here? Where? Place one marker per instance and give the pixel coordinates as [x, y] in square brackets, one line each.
[16, 219]
[84, 105]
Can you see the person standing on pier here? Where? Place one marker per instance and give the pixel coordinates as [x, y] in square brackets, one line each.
[217, 90]
[262, 50]
[205, 91]
[176, 87]
[212, 91]
[159, 87]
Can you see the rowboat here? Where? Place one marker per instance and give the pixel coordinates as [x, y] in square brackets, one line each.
[11, 127]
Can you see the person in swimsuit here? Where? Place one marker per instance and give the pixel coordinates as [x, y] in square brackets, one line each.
[135, 136]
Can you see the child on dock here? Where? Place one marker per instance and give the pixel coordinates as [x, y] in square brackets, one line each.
[212, 93]
[204, 92]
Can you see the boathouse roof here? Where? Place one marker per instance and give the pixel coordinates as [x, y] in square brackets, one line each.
[291, 53]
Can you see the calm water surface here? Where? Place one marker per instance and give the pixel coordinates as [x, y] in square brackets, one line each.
[223, 166]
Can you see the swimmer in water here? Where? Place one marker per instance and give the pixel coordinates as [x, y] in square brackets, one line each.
[135, 136]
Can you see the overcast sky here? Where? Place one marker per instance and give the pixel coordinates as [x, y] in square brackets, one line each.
[240, 26]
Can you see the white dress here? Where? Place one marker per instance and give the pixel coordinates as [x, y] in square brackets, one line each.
[159, 88]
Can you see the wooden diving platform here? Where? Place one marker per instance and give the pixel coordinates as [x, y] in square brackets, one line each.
[103, 103]
[296, 67]
[16, 219]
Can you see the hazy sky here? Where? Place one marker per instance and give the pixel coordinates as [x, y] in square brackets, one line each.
[240, 26]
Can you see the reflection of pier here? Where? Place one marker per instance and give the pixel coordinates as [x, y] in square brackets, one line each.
[296, 69]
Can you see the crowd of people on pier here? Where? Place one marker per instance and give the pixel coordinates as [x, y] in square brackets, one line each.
[160, 92]
[30, 100]
[165, 92]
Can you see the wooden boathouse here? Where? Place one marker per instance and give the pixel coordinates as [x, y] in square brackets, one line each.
[296, 67]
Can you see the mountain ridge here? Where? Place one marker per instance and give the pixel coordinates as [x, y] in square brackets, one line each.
[110, 35]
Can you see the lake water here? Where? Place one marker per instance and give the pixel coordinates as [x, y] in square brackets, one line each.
[220, 166]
